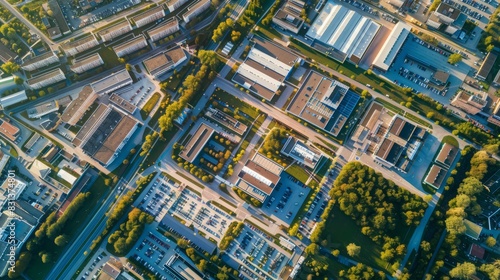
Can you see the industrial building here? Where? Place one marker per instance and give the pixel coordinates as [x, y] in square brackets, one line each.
[195, 9]
[112, 82]
[447, 155]
[85, 64]
[435, 176]
[122, 103]
[196, 143]
[43, 109]
[149, 16]
[46, 79]
[259, 176]
[110, 33]
[12, 99]
[169, 27]
[447, 17]
[486, 66]
[384, 59]
[40, 61]
[72, 48]
[299, 151]
[164, 62]
[288, 17]
[472, 104]
[75, 110]
[103, 135]
[342, 33]
[130, 46]
[265, 69]
[324, 103]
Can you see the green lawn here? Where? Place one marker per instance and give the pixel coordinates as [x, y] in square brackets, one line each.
[450, 140]
[148, 107]
[342, 230]
[251, 111]
[298, 173]
[158, 148]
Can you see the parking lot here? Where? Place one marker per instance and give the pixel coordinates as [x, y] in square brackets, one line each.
[78, 18]
[139, 92]
[478, 12]
[319, 204]
[94, 267]
[257, 254]
[160, 197]
[433, 60]
[286, 199]
[203, 216]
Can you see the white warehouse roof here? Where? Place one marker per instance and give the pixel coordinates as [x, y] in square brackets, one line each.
[343, 29]
[392, 45]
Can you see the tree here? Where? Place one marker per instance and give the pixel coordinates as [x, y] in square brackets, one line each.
[455, 225]
[61, 240]
[430, 115]
[491, 241]
[202, 265]
[46, 257]
[312, 249]
[125, 161]
[336, 252]
[182, 243]
[426, 246]
[128, 67]
[353, 249]
[209, 58]
[454, 58]
[18, 80]
[463, 271]
[9, 67]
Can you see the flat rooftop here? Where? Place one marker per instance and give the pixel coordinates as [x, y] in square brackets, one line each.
[448, 11]
[435, 176]
[487, 65]
[401, 128]
[169, 23]
[195, 6]
[391, 46]
[86, 60]
[118, 26]
[137, 40]
[89, 124]
[38, 58]
[75, 107]
[197, 142]
[343, 29]
[259, 177]
[122, 103]
[447, 154]
[45, 76]
[148, 13]
[6, 54]
[78, 42]
[111, 80]
[42, 108]
[113, 141]
[389, 151]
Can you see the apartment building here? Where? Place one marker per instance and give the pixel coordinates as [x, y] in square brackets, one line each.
[169, 27]
[40, 61]
[195, 9]
[46, 79]
[149, 16]
[130, 46]
[114, 31]
[85, 64]
[77, 46]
